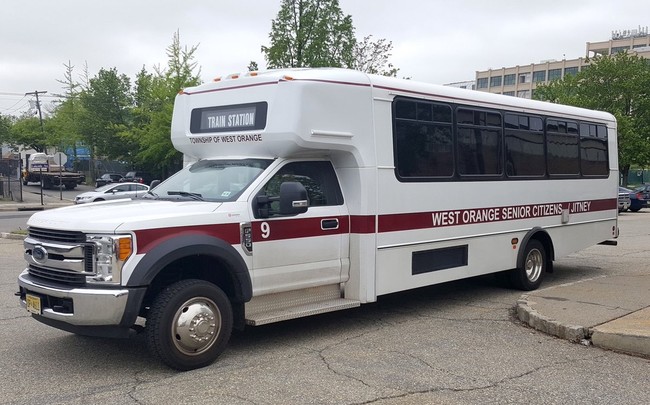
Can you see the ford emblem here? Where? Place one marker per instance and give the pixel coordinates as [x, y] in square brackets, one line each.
[39, 254]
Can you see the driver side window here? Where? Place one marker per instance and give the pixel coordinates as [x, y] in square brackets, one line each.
[318, 178]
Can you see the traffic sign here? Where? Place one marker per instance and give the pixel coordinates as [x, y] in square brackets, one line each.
[60, 158]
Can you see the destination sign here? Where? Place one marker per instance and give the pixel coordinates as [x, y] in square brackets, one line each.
[239, 117]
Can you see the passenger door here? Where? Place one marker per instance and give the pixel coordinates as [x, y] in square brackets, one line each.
[306, 249]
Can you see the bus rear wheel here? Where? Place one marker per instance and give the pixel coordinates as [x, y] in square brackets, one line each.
[530, 273]
[189, 324]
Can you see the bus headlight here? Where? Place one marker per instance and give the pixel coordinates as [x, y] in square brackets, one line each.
[110, 254]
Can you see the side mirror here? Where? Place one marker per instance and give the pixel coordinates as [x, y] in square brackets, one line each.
[293, 198]
[154, 184]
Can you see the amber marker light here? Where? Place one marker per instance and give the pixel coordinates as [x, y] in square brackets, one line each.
[514, 242]
[217, 79]
[125, 249]
[285, 77]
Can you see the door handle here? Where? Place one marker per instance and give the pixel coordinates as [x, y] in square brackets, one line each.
[331, 223]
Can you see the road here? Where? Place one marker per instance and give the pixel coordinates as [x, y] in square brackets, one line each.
[455, 343]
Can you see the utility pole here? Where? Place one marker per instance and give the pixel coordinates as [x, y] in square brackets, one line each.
[38, 105]
[40, 118]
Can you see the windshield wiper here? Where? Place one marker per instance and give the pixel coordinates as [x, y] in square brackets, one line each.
[194, 196]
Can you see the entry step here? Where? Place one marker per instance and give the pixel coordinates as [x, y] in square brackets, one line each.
[296, 304]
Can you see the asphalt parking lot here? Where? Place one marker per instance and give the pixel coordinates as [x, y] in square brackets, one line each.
[456, 343]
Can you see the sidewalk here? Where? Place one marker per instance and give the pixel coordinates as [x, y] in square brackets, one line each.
[32, 202]
[611, 312]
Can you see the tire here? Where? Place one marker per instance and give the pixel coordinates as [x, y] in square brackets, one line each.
[529, 276]
[635, 209]
[182, 311]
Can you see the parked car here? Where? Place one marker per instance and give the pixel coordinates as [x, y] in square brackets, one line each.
[637, 200]
[113, 191]
[645, 189]
[624, 200]
[138, 177]
[108, 178]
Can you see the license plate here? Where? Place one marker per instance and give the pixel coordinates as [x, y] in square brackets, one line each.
[33, 304]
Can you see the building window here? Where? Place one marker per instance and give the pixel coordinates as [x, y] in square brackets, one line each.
[495, 81]
[482, 83]
[524, 77]
[618, 49]
[509, 80]
[508, 93]
[539, 76]
[571, 71]
[554, 74]
[523, 93]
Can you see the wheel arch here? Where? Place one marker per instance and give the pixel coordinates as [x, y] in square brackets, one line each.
[542, 236]
[193, 256]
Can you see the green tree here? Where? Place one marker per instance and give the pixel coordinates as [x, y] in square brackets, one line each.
[107, 105]
[65, 131]
[310, 33]
[5, 130]
[620, 85]
[154, 102]
[27, 131]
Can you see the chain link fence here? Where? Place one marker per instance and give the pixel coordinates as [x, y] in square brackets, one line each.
[10, 179]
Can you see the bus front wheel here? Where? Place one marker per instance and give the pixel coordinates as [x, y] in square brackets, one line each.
[189, 324]
[530, 273]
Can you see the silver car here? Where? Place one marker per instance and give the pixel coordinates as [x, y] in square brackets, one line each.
[113, 191]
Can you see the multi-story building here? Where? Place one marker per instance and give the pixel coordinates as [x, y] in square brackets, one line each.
[521, 81]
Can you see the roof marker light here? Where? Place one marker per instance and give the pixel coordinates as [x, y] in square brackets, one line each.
[217, 79]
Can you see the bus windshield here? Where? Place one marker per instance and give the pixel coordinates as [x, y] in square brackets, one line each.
[211, 180]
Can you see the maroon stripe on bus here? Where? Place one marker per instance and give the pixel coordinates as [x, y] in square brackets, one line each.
[362, 224]
[436, 219]
[297, 228]
[147, 239]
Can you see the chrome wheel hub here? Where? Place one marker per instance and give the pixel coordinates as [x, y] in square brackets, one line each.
[534, 263]
[196, 326]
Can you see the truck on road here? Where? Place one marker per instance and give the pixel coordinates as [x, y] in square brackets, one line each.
[40, 167]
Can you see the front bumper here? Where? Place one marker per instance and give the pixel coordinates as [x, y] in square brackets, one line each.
[82, 306]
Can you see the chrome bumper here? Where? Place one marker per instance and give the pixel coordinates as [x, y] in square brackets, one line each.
[91, 307]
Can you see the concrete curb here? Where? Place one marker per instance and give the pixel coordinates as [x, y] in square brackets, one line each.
[8, 235]
[535, 320]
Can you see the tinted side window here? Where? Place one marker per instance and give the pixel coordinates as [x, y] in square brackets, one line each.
[479, 142]
[563, 149]
[524, 142]
[422, 140]
[593, 150]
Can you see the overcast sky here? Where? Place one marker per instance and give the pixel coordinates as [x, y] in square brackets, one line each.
[433, 40]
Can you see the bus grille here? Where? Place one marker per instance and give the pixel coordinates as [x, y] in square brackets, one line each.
[57, 236]
[69, 278]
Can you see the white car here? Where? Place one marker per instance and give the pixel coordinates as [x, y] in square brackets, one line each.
[113, 191]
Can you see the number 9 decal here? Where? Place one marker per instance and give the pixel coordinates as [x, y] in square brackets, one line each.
[266, 230]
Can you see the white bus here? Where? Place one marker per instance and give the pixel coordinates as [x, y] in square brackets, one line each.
[314, 190]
